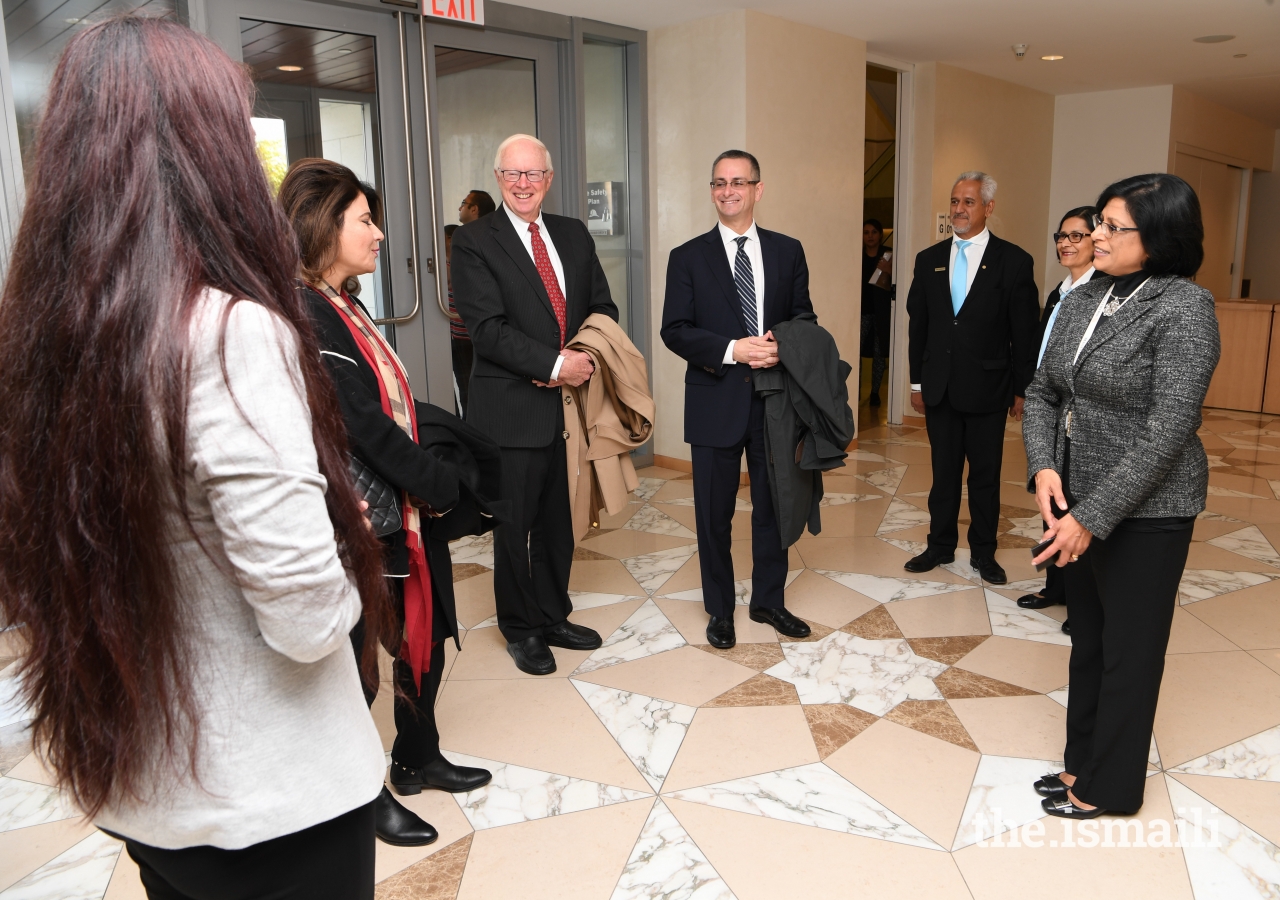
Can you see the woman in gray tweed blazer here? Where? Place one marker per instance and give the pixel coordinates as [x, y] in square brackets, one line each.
[1110, 431]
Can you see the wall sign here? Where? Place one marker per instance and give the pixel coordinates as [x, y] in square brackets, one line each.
[604, 207]
[943, 229]
[469, 11]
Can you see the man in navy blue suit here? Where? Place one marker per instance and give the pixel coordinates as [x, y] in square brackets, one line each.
[726, 289]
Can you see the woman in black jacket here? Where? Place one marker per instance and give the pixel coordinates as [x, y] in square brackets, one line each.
[336, 220]
[877, 303]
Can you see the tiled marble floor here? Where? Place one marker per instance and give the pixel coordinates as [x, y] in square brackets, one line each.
[877, 759]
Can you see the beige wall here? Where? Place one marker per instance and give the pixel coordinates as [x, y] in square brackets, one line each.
[1262, 254]
[1202, 124]
[791, 94]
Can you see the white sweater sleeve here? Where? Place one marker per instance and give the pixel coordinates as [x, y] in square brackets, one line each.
[249, 436]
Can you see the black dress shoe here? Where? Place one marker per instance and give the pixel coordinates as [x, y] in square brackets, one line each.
[440, 774]
[532, 655]
[393, 824]
[989, 570]
[782, 621]
[1035, 601]
[720, 633]
[931, 558]
[1066, 626]
[572, 637]
[1051, 786]
[1061, 806]
[874, 399]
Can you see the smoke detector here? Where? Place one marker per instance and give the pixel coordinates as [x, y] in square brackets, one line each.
[1020, 50]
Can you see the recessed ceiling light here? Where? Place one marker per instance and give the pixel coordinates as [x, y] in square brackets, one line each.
[289, 68]
[1214, 38]
[1240, 56]
[73, 21]
[345, 50]
[1051, 57]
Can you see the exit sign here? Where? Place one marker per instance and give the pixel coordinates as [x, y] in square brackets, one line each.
[469, 11]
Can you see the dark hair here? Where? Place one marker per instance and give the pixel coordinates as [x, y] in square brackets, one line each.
[738, 154]
[315, 194]
[145, 190]
[450, 229]
[1080, 212]
[874, 223]
[1167, 213]
[482, 202]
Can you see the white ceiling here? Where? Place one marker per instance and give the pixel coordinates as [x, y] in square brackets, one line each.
[1107, 44]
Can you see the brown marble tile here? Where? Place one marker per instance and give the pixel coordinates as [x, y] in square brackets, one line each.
[584, 554]
[959, 684]
[463, 571]
[1014, 542]
[759, 690]
[435, 878]
[875, 625]
[1009, 511]
[949, 650]
[753, 656]
[817, 631]
[834, 724]
[935, 718]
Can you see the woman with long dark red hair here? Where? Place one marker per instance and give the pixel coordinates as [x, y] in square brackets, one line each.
[180, 542]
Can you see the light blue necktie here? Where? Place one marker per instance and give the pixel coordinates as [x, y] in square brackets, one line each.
[1048, 330]
[959, 277]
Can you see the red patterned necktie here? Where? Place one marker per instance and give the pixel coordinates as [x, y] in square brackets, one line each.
[548, 273]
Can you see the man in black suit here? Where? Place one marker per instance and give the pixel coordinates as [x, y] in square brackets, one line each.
[523, 283]
[974, 309]
[726, 289]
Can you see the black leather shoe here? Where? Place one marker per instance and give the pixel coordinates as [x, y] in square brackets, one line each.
[989, 570]
[572, 637]
[1062, 807]
[1066, 626]
[441, 775]
[781, 620]
[532, 655]
[720, 633]
[931, 558]
[1036, 601]
[874, 399]
[393, 824]
[1051, 786]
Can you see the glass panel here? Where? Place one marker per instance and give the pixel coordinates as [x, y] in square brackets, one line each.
[36, 31]
[317, 96]
[608, 163]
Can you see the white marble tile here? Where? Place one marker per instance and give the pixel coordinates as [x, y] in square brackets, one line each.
[809, 795]
[1226, 860]
[654, 521]
[741, 590]
[867, 456]
[473, 549]
[647, 729]
[885, 479]
[901, 515]
[1256, 758]
[1060, 696]
[1201, 584]
[581, 600]
[1010, 620]
[964, 493]
[24, 803]
[915, 548]
[843, 499]
[963, 567]
[739, 504]
[874, 676]
[80, 873]
[517, 794]
[1249, 542]
[886, 589]
[1028, 527]
[646, 633]
[1002, 798]
[648, 487]
[13, 708]
[666, 864]
[1216, 491]
[1153, 754]
[893, 442]
[1275, 487]
[653, 569]
[1029, 586]
[1244, 444]
[1216, 517]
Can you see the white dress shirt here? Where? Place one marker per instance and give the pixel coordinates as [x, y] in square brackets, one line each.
[526, 238]
[972, 254]
[752, 248]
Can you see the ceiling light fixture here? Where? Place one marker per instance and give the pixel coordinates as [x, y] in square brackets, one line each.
[73, 21]
[1019, 50]
[1214, 39]
[345, 50]
[1240, 56]
[1051, 57]
[289, 68]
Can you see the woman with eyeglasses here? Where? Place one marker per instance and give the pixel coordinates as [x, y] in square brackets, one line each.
[1074, 243]
[1120, 476]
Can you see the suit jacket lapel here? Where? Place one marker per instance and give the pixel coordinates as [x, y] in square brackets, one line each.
[1132, 311]
[509, 241]
[769, 252]
[990, 257]
[719, 263]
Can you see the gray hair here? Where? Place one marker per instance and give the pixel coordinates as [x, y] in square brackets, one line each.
[515, 138]
[988, 189]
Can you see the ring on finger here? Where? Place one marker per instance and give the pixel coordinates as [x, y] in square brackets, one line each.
[1074, 557]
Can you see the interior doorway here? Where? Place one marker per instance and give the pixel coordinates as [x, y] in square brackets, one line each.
[880, 171]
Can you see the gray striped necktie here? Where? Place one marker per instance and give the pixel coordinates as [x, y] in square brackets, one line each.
[746, 282]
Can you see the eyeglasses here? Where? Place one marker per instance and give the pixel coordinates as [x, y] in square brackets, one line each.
[1074, 237]
[737, 184]
[511, 176]
[1108, 229]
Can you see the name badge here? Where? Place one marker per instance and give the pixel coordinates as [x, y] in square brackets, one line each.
[940, 269]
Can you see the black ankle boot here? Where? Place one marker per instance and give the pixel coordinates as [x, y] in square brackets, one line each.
[439, 774]
[393, 824]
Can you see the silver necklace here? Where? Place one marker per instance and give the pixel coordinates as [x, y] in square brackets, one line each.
[1114, 304]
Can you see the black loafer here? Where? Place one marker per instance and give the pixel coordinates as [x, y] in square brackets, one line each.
[989, 570]
[931, 558]
[440, 774]
[1035, 601]
[720, 633]
[393, 824]
[782, 621]
[572, 637]
[1051, 786]
[1062, 807]
[532, 655]
[1066, 626]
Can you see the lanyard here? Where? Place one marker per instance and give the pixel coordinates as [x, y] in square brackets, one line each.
[1097, 316]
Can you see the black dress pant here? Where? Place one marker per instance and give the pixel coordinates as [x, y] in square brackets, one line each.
[955, 437]
[716, 481]
[533, 552]
[330, 861]
[1121, 593]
